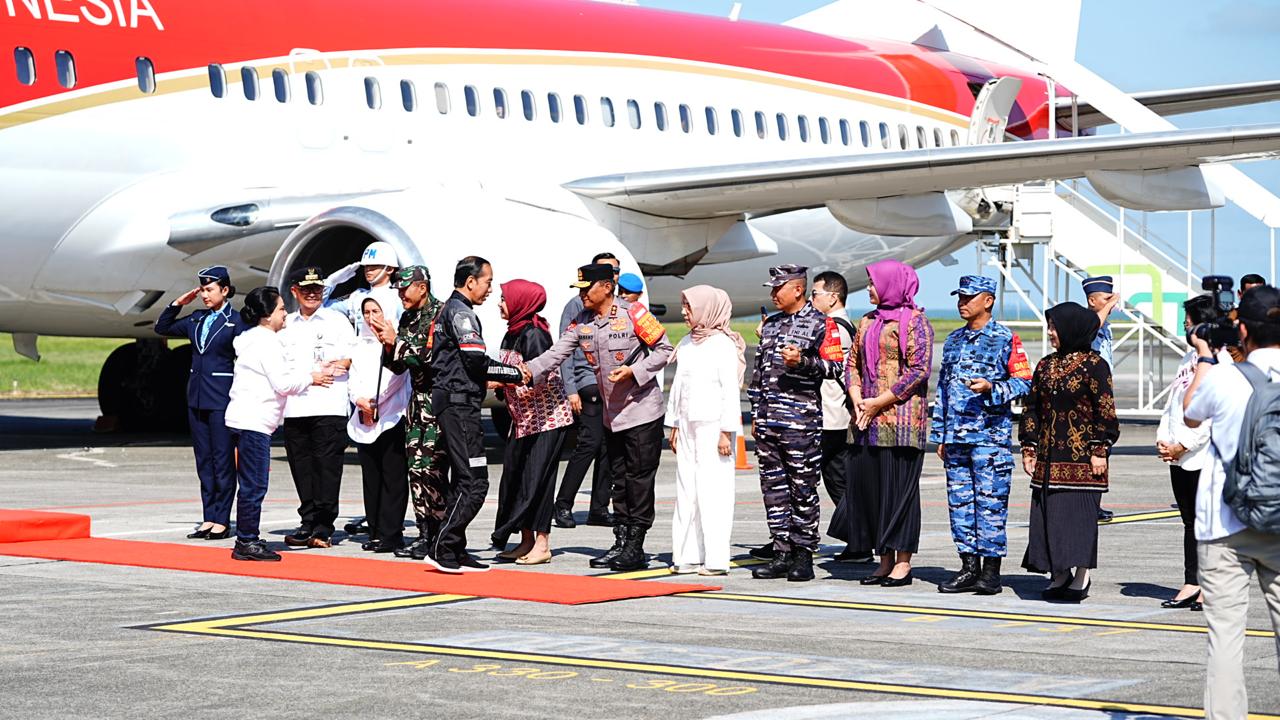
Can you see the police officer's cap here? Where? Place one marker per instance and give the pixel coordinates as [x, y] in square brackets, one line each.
[410, 275]
[214, 273]
[974, 285]
[1101, 283]
[310, 275]
[588, 274]
[783, 274]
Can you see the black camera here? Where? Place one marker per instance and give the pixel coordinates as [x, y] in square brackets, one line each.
[1220, 331]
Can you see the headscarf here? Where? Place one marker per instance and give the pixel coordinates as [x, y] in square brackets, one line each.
[896, 285]
[524, 299]
[1075, 324]
[709, 312]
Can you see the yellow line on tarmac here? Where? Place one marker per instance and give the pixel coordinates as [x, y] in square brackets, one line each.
[666, 572]
[959, 613]
[714, 674]
[1139, 517]
[205, 626]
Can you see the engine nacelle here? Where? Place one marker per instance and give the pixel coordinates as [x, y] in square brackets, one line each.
[1184, 188]
[927, 214]
[438, 227]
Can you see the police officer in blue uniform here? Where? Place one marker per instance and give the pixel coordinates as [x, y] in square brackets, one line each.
[208, 390]
[984, 369]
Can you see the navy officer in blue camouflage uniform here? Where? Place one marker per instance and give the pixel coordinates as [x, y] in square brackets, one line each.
[984, 369]
[799, 348]
[213, 362]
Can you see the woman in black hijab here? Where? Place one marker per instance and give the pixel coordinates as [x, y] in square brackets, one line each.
[1068, 427]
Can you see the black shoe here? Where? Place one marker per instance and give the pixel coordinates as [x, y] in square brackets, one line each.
[253, 550]
[778, 567]
[989, 581]
[468, 563]
[872, 580]
[1075, 596]
[199, 534]
[764, 552]
[605, 520]
[387, 547]
[415, 550]
[801, 565]
[896, 582]
[632, 556]
[1185, 602]
[849, 555]
[967, 579]
[1105, 515]
[444, 563]
[299, 537]
[619, 539]
[564, 519]
[498, 543]
[358, 526]
[226, 533]
[1198, 605]
[371, 546]
[1054, 593]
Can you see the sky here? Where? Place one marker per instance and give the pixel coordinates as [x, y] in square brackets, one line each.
[1138, 45]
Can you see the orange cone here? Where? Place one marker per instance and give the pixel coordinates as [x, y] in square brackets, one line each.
[742, 463]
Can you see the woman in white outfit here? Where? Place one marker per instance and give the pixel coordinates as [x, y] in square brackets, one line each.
[704, 412]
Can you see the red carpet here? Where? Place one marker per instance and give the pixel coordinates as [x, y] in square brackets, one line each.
[316, 566]
[24, 525]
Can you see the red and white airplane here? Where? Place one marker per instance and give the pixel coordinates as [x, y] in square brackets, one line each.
[143, 139]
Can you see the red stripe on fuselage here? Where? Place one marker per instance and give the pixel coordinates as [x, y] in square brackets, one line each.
[233, 31]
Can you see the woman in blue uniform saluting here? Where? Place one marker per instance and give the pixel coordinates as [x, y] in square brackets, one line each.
[208, 390]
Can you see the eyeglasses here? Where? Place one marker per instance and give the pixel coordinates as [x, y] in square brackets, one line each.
[816, 293]
[311, 289]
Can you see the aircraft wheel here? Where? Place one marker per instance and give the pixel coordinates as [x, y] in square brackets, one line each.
[141, 390]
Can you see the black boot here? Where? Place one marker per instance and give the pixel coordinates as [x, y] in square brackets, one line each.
[619, 539]
[632, 556]
[418, 545]
[801, 565]
[989, 582]
[778, 567]
[966, 580]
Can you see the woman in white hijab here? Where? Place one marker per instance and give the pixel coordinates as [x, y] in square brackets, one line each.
[704, 412]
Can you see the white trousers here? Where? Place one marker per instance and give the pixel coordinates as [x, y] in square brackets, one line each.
[703, 517]
[1226, 567]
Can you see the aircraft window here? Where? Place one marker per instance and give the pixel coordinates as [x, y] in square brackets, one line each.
[937, 137]
[846, 132]
[864, 128]
[686, 118]
[884, 135]
[443, 104]
[26, 62]
[146, 74]
[736, 116]
[526, 101]
[606, 111]
[660, 116]
[713, 121]
[409, 95]
[633, 114]
[803, 122]
[315, 88]
[66, 67]
[472, 97]
[784, 129]
[500, 102]
[217, 80]
[955, 138]
[280, 79]
[762, 126]
[249, 79]
[904, 139]
[372, 93]
[553, 107]
[580, 109]
[922, 140]
[824, 130]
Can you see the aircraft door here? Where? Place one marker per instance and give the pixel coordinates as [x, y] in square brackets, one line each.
[991, 111]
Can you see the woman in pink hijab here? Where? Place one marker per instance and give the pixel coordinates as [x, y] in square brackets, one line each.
[704, 412]
[887, 373]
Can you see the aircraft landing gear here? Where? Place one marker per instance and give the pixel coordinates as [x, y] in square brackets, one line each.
[143, 387]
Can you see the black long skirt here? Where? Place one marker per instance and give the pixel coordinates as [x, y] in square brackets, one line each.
[1064, 530]
[880, 509]
[526, 493]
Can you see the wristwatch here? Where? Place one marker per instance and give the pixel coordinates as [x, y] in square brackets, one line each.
[1210, 360]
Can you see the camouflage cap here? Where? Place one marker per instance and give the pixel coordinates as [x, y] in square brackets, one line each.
[410, 275]
[975, 285]
[783, 274]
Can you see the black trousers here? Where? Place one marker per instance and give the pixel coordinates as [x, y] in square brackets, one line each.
[589, 449]
[463, 439]
[835, 456]
[384, 468]
[634, 455]
[1184, 493]
[314, 446]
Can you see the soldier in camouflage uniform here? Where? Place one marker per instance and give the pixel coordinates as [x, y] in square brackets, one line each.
[984, 369]
[799, 348]
[409, 348]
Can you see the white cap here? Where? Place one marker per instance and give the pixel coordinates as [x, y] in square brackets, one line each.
[380, 253]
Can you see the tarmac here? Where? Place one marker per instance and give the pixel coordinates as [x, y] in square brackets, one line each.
[82, 640]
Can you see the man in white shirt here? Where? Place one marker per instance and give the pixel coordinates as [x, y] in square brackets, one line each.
[315, 422]
[1229, 552]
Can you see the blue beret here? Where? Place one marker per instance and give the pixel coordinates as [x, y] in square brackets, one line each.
[630, 282]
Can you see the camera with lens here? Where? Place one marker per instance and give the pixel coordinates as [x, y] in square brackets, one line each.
[1219, 330]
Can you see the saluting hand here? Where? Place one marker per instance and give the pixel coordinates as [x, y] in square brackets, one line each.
[188, 296]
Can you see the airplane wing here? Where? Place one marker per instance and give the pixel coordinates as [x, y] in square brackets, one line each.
[796, 184]
[1183, 100]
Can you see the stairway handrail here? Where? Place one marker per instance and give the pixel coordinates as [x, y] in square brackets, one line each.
[1142, 241]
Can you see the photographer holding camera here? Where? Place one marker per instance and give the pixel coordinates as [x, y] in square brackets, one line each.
[1229, 551]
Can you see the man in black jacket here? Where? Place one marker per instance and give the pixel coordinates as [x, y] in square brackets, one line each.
[462, 368]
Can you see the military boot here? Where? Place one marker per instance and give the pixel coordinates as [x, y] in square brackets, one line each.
[778, 567]
[632, 556]
[989, 581]
[619, 539]
[801, 565]
[966, 580]
[419, 545]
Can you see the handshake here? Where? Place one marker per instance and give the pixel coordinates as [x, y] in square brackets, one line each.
[526, 378]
